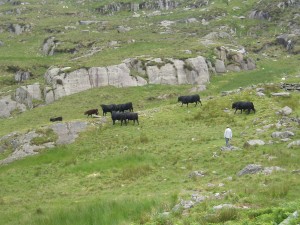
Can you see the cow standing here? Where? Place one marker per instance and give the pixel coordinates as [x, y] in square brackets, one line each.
[189, 99]
[131, 116]
[124, 107]
[243, 106]
[108, 108]
[118, 116]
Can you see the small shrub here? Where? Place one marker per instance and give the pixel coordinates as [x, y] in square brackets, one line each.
[39, 211]
[135, 172]
[278, 191]
[257, 213]
[223, 215]
[188, 67]
[227, 214]
[143, 138]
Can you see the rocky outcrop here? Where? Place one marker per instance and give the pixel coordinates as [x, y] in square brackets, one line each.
[8, 106]
[28, 94]
[232, 60]
[152, 71]
[291, 86]
[20, 76]
[258, 14]
[24, 145]
[19, 28]
[283, 134]
[49, 46]
[131, 72]
[147, 5]
[250, 169]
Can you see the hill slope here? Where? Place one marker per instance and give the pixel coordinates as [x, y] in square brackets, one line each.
[169, 169]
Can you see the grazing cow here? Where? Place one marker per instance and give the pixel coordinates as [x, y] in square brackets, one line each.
[131, 116]
[91, 112]
[123, 107]
[53, 119]
[108, 108]
[118, 116]
[243, 106]
[189, 99]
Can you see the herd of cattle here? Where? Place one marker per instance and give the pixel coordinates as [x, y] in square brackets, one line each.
[124, 112]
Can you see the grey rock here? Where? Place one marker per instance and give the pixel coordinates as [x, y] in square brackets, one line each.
[269, 170]
[287, 221]
[233, 67]
[222, 206]
[261, 15]
[198, 198]
[196, 174]
[122, 29]
[49, 46]
[255, 142]
[217, 35]
[22, 143]
[20, 76]
[285, 111]
[19, 29]
[294, 143]
[260, 94]
[220, 66]
[49, 95]
[250, 169]
[281, 94]
[88, 22]
[68, 132]
[7, 106]
[230, 148]
[283, 134]
[26, 94]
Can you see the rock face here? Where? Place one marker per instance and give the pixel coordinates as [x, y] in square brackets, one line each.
[131, 72]
[19, 29]
[27, 94]
[146, 5]
[68, 132]
[155, 71]
[49, 46]
[21, 76]
[7, 106]
[23, 145]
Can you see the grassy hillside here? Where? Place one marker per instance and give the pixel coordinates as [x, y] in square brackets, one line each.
[132, 174]
[137, 174]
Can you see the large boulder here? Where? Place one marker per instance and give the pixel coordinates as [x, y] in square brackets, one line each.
[27, 94]
[250, 169]
[7, 106]
[23, 145]
[20, 76]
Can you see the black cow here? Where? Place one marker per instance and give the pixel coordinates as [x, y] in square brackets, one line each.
[131, 116]
[243, 106]
[123, 107]
[118, 116]
[108, 108]
[53, 119]
[91, 112]
[189, 99]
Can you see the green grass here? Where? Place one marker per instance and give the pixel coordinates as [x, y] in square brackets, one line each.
[132, 174]
[92, 179]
